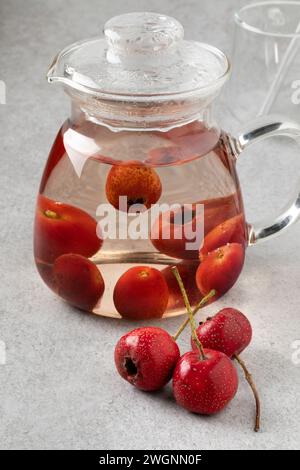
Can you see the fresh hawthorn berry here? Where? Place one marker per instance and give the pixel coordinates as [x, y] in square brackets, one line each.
[141, 293]
[231, 231]
[78, 281]
[229, 331]
[204, 381]
[204, 385]
[137, 182]
[220, 269]
[61, 228]
[146, 357]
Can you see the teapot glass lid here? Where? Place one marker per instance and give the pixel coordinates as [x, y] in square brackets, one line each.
[141, 54]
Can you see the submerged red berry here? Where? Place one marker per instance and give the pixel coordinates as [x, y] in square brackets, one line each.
[78, 281]
[141, 293]
[220, 269]
[138, 183]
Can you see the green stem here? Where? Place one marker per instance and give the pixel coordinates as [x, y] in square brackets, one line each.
[200, 305]
[190, 313]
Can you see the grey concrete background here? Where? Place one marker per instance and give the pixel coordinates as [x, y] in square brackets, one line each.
[59, 388]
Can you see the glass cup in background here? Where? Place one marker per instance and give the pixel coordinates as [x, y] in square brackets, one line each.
[266, 61]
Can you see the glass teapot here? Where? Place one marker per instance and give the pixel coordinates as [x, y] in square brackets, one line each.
[141, 178]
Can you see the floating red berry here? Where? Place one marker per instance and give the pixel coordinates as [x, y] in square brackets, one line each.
[138, 183]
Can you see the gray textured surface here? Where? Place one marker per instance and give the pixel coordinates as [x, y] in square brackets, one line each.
[59, 388]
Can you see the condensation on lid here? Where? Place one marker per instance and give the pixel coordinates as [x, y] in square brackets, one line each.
[143, 54]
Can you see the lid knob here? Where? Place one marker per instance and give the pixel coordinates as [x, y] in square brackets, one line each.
[140, 33]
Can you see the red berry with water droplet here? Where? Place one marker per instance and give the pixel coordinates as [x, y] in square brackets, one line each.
[229, 331]
[204, 385]
[146, 357]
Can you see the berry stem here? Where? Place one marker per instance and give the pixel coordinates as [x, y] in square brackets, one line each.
[190, 313]
[200, 305]
[250, 381]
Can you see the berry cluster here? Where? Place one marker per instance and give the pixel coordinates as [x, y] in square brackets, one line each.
[205, 379]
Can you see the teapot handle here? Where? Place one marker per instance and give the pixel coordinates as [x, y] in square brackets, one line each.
[271, 127]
